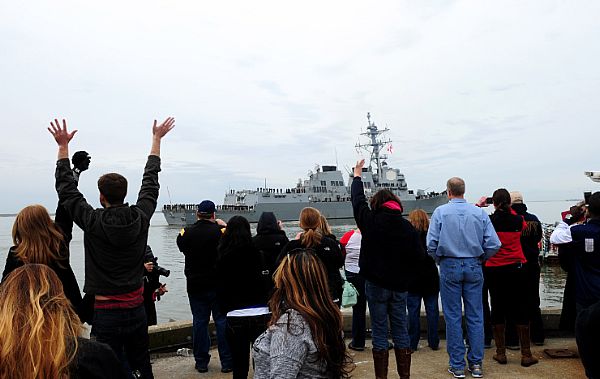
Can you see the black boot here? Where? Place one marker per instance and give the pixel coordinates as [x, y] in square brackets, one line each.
[526, 358]
[500, 355]
[380, 362]
[403, 362]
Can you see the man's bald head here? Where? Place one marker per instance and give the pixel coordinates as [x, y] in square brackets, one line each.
[456, 187]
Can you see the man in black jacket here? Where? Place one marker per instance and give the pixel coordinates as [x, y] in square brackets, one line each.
[115, 238]
[199, 243]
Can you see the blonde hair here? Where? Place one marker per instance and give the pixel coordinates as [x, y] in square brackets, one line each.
[310, 222]
[38, 327]
[324, 225]
[418, 218]
[36, 237]
[301, 284]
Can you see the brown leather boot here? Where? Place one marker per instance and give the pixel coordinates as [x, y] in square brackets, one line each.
[526, 358]
[500, 355]
[403, 362]
[380, 362]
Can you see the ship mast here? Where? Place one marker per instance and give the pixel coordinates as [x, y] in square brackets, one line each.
[374, 147]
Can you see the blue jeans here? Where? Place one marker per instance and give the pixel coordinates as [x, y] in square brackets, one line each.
[126, 332]
[413, 303]
[384, 304]
[202, 304]
[359, 310]
[461, 281]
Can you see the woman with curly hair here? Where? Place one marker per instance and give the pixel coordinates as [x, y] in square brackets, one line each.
[305, 334]
[426, 288]
[40, 332]
[38, 239]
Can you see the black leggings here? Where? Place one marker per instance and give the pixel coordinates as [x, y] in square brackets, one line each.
[508, 293]
[241, 333]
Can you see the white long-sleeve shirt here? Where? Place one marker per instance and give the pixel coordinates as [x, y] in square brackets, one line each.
[561, 234]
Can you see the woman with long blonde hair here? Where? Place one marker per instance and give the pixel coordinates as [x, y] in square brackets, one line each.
[426, 288]
[38, 239]
[326, 247]
[305, 334]
[39, 331]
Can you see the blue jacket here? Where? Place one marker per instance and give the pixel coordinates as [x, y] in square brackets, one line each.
[586, 250]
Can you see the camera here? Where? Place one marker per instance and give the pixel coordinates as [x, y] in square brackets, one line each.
[586, 197]
[489, 200]
[149, 257]
[160, 270]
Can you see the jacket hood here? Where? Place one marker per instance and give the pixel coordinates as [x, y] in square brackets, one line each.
[521, 208]
[121, 225]
[267, 223]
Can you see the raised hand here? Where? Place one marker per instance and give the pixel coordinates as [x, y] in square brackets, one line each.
[60, 134]
[358, 168]
[164, 128]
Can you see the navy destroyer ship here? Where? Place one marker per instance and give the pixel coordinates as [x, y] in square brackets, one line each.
[324, 189]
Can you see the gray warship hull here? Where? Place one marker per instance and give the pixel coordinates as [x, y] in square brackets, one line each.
[324, 190]
[336, 212]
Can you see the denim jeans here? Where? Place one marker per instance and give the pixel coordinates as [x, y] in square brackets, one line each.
[461, 281]
[202, 305]
[241, 334]
[384, 304]
[359, 310]
[432, 310]
[126, 332]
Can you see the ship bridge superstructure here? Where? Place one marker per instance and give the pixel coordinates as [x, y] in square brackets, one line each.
[323, 188]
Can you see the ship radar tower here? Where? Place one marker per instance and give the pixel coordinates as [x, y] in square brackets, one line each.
[374, 147]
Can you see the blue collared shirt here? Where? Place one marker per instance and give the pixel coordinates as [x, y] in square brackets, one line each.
[461, 230]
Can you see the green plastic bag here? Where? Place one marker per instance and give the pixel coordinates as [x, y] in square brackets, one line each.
[350, 294]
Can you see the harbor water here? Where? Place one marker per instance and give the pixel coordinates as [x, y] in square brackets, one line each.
[174, 305]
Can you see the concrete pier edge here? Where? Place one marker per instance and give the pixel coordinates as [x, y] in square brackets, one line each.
[172, 335]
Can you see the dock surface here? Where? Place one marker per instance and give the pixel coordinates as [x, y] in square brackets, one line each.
[426, 363]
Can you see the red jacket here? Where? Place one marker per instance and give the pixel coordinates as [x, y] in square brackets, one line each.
[508, 226]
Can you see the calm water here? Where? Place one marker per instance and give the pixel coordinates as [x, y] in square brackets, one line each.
[174, 305]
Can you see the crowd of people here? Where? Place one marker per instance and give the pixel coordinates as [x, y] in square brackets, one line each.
[275, 302]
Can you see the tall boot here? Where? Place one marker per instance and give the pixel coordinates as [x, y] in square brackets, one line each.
[403, 362]
[500, 355]
[380, 362]
[526, 358]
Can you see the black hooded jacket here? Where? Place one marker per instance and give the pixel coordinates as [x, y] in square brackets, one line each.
[531, 235]
[390, 252]
[198, 242]
[114, 238]
[269, 239]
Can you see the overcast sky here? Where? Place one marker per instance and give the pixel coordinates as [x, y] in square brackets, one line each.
[501, 93]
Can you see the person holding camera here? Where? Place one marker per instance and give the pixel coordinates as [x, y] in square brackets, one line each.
[39, 240]
[505, 275]
[153, 288]
[582, 243]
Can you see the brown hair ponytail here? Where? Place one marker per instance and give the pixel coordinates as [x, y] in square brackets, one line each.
[310, 222]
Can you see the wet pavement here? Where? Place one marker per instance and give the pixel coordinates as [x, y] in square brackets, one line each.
[426, 363]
